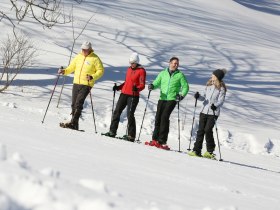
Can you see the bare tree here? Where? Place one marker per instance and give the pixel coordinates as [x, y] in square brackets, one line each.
[46, 12]
[17, 52]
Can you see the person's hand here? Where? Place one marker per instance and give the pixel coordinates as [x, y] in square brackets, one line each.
[61, 70]
[134, 89]
[213, 107]
[116, 88]
[179, 97]
[150, 87]
[89, 77]
[196, 95]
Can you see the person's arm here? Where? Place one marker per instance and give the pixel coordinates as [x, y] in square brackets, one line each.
[99, 69]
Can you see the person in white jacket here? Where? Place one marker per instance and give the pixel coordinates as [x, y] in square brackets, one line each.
[213, 98]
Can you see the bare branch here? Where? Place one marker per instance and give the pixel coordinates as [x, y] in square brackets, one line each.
[17, 53]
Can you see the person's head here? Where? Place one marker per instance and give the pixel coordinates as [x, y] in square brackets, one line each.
[217, 79]
[134, 59]
[173, 63]
[218, 74]
[86, 48]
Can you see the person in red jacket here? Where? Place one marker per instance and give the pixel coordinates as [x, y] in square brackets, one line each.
[134, 83]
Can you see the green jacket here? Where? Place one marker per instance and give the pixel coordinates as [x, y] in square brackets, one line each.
[172, 85]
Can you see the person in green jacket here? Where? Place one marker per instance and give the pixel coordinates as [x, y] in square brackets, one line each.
[173, 88]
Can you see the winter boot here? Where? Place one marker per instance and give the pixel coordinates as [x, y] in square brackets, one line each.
[129, 138]
[194, 154]
[153, 143]
[74, 124]
[209, 155]
[110, 134]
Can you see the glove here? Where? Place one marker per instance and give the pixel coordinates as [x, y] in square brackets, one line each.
[196, 95]
[150, 87]
[61, 70]
[213, 107]
[179, 97]
[116, 88]
[89, 77]
[134, 89]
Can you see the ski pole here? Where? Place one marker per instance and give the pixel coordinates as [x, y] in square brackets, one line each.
[178, 102]
[144, 116]
[217, 136]
[51, 95]
[184, 121]
[192, 124]
[92, 106]
[61, 91]
[113, 102]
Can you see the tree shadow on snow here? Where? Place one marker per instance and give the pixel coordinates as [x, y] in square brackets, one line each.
[267, 6]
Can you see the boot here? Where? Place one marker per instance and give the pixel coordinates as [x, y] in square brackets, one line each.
[75, 119]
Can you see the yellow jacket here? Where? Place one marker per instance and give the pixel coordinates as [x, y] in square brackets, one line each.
[83, 66]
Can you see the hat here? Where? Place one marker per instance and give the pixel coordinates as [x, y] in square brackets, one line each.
[134, 58]
[220, 73]
[86, 45]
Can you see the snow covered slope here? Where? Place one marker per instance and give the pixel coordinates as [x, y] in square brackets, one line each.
[44, 167]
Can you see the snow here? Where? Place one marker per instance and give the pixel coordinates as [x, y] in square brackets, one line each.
[44, 167]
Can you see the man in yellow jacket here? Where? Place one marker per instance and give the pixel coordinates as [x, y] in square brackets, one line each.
[87, 68]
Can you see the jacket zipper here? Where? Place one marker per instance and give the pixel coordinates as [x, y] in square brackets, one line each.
[81, 71]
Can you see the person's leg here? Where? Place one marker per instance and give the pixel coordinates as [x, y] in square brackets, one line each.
[200, 134]
[165, 122]
[132, 103]
[75, 91]
[121, 104]
[160, 107]
[83, 92]
[210, 142]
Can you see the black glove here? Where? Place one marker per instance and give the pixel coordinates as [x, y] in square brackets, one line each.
[213, 107]
[89, 77]
[134, 89]
[179, 97]
[116, 88]
[150, 87]
[196, 95]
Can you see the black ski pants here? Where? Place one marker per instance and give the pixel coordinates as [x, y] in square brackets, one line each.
[205, 127]
[79, 94]
[164, 110]
[131, 103]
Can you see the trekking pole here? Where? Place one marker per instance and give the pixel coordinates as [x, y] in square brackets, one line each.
[217, 136]
[51, 95]
[178, 102]
[113, 102]
[144, 116]
[192, 124]
[92, 107]
[184, 120]
[64, 78]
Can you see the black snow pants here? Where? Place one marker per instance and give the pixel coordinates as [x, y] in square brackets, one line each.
[79, 94]
[131, 103]
[206, 124]
[161, 130]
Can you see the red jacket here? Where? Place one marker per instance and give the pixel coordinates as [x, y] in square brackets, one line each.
[134, 77]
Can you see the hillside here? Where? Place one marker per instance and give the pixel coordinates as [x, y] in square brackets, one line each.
[45, 167]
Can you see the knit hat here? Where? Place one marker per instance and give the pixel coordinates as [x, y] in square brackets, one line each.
[220, 73]
[134, 58]
[86, 45]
